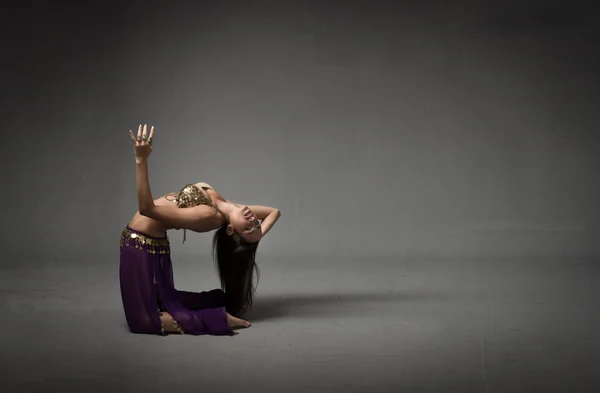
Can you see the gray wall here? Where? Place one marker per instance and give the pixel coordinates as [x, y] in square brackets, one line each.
[419, 130]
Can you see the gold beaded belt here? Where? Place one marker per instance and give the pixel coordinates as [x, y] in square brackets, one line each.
[153, 245]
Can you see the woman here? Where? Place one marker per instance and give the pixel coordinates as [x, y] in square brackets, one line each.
[151, 303]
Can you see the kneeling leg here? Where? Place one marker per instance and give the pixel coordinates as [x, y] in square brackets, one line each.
[202, 300]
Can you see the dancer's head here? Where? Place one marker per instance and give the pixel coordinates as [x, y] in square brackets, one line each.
[234, 256]
[244, 224]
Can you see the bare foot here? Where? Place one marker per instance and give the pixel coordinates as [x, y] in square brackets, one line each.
[234, 322]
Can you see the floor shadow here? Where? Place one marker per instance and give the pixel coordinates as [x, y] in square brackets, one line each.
[280, 306]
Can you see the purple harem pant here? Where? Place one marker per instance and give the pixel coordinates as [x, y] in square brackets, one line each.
[147, 288]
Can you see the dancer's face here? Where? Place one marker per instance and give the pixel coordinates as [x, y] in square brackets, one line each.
[243, 222]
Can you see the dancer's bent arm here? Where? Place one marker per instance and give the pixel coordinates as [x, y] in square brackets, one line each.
[268, 215]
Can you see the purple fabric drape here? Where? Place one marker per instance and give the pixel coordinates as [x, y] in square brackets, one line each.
[147, 287]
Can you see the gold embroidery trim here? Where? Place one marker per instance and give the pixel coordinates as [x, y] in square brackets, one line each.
[153, 246]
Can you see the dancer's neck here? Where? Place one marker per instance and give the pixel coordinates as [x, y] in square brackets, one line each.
[225, 208]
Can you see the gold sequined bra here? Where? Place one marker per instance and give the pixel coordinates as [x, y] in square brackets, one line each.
[190, 196]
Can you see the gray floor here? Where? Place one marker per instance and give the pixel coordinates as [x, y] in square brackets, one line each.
[414, 325]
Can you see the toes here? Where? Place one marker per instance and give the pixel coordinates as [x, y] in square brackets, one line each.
[237, 323]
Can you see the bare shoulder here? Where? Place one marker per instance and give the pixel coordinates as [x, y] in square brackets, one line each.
[167, 200]
[214, 194]
[202, 184]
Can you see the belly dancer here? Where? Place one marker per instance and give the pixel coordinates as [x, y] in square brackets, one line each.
[151, 302]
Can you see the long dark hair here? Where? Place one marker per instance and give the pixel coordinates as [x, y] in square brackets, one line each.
[235, 264]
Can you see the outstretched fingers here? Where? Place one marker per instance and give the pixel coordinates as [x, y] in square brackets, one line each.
[151, 135]
[143, 137]
[132, 137]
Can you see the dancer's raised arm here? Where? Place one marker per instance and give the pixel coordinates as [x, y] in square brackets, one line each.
[198, 218]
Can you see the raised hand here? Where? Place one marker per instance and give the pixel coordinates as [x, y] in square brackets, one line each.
[142, 145]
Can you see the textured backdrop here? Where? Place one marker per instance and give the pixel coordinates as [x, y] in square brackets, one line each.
[390, 129]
